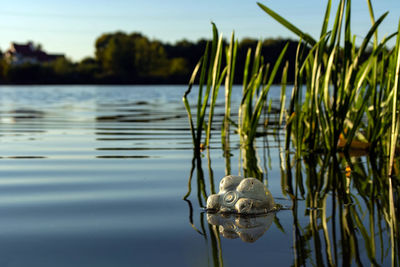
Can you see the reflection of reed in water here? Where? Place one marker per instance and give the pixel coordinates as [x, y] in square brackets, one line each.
[209, 233]
[347, 201]
[212, 226]
[248, 228]
[250, 163]
[351, 222]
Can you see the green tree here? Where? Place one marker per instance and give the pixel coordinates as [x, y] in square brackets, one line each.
[179, 70]
[28, 73]
[88, 70]
[131, 57]
[62, 66]
[115, 54]
[3, 69]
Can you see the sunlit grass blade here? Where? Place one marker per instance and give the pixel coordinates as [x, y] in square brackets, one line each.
[262, 98]
[246, 69]
[395, 111]
[326, 18]
[186, 102]
[367, 38]
[337, 25]
[372, 17]
[306, 37]
[231, 53]
[202, 100]
[216, 82]
[283, 93]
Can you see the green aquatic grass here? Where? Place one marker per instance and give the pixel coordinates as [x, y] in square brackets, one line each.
[393, 143]
[231, 53]
[344, 96]
[257, 81]
[209, 80]
[395, 105]
[256, 85]
[345, 87]
[347, 93]
[341, 194]
[344, 93]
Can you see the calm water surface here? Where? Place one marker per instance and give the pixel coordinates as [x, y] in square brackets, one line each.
[96, 175]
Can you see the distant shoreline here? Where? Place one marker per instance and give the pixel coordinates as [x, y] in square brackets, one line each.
[106, 84]
[128, 59]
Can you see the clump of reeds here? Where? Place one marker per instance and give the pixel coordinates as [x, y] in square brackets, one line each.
[257, 81]
[210, 79]
[344, 97]
[210, 73]
[342, 92]
[347, 97]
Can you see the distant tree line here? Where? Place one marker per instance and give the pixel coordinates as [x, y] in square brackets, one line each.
[122, 58]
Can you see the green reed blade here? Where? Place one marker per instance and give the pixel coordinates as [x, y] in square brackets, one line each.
[186, 103]
[320, 45]
[246, 69]
[372, 16]
[216, 82]
[357, 119]
[213, 56]
[209, 70]
[326, 19]
[201, 84]
[248, 107]
[256, 59]
[261, 99]
[283, 92]
[327, 79]
[337, 25]
[306, 37]
[395, 117]
[373, 123]
[210, 65]
[230, 52]
[293, 113]
[202, 100]
[277, 65]
[348, 45]
[249, 89]
[371, 32]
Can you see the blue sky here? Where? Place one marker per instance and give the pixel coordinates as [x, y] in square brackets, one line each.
[72, 26]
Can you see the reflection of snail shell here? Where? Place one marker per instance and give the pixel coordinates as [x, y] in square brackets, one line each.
[230, 198]
[248, 228]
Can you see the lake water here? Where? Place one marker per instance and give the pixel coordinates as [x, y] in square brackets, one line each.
[96, 176]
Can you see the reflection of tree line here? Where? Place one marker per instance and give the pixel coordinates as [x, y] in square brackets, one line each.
[347, 200]
[134, 58]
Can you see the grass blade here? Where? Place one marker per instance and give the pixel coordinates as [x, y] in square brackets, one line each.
[306, 37]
